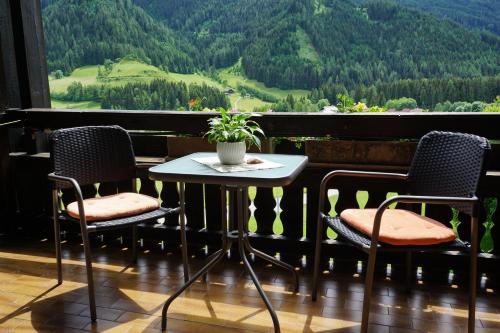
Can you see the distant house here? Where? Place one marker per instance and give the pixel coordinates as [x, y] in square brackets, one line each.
[406, 110]
[330, 108]
[229, 91]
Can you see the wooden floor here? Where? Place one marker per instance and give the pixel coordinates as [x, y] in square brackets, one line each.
[130, 298]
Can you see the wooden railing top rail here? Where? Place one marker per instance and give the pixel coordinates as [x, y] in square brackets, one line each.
[388, 125]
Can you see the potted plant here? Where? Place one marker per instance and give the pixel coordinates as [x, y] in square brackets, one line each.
[232, 132]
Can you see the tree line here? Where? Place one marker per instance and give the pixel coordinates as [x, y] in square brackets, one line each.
[426, 92]
[159, 94]
[162, 95]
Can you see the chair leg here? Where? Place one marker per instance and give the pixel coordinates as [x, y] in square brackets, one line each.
[473, 275]
[408, 271]
[57, 235]
[317, 258]
[134, 244]
[370, 271]
[90, 277]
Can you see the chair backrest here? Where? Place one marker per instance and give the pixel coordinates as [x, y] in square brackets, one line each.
[448, 164]
[93, 154]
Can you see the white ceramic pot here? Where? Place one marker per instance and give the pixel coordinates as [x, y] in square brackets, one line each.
[231, 152]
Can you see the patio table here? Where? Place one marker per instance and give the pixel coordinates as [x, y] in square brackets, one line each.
[186, 170]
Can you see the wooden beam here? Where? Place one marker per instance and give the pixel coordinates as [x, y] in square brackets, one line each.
[23, 50]
[8, 64]
[5, 194]
[3, 85]
[34, 44]
[361, 126]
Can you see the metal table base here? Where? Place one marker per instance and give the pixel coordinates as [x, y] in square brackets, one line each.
[240, 235]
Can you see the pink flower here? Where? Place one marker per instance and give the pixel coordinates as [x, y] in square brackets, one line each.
[234, 110]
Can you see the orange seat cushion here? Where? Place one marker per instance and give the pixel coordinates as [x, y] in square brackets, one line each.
[114, 206]
[399, 227]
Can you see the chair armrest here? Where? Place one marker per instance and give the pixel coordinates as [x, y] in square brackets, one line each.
[473, 202]
[68, 180]
[363, 174]
[354, 174]
[78, 193]
[438, 200]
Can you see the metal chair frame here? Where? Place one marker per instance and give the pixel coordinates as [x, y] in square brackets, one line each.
[468, 205]
[62, 181]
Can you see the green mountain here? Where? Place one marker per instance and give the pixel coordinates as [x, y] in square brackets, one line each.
[482, 14]
[79, 33]
[302, 43]
[286, 43]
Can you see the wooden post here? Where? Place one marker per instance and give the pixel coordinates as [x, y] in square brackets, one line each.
[5, 193]
[9, 81]
[34, 48]
[23, 50]
[4, 144]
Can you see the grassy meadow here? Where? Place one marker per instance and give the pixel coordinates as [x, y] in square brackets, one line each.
[130, 71]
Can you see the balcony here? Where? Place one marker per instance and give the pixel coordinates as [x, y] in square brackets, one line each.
[283, 221]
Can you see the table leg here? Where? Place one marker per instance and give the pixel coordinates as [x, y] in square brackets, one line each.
[220, 254]
[213, 259]
[242, 234]
[261, 254]
[182, 215]
[242, 220]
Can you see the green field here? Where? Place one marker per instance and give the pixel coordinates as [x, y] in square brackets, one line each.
[306, 50]
[129, 71]
[233, 78]
[90, 105]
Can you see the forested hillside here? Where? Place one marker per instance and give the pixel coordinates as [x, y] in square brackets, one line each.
[302, 43]
[367, 48]
[79, 33]
[481, 14]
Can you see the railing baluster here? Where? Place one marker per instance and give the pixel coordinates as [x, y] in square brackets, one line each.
[148, 187]
[292, 205]
[312, 210]
[213, 207]
[194, 206]
[125, 186]
[264, 213]
[170, 198]
[375, 198]
[108, 188]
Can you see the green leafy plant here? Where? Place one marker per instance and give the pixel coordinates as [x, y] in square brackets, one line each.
[493, 107]
[376, 109]
[234, 127]
[344, 103]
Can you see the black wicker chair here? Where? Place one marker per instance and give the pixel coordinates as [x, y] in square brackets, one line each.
[446, 170]
[85, 156]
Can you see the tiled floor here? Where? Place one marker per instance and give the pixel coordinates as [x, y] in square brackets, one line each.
[130, 298]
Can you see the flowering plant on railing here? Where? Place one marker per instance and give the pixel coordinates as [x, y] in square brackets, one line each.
[194, 104]
[346, 104]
